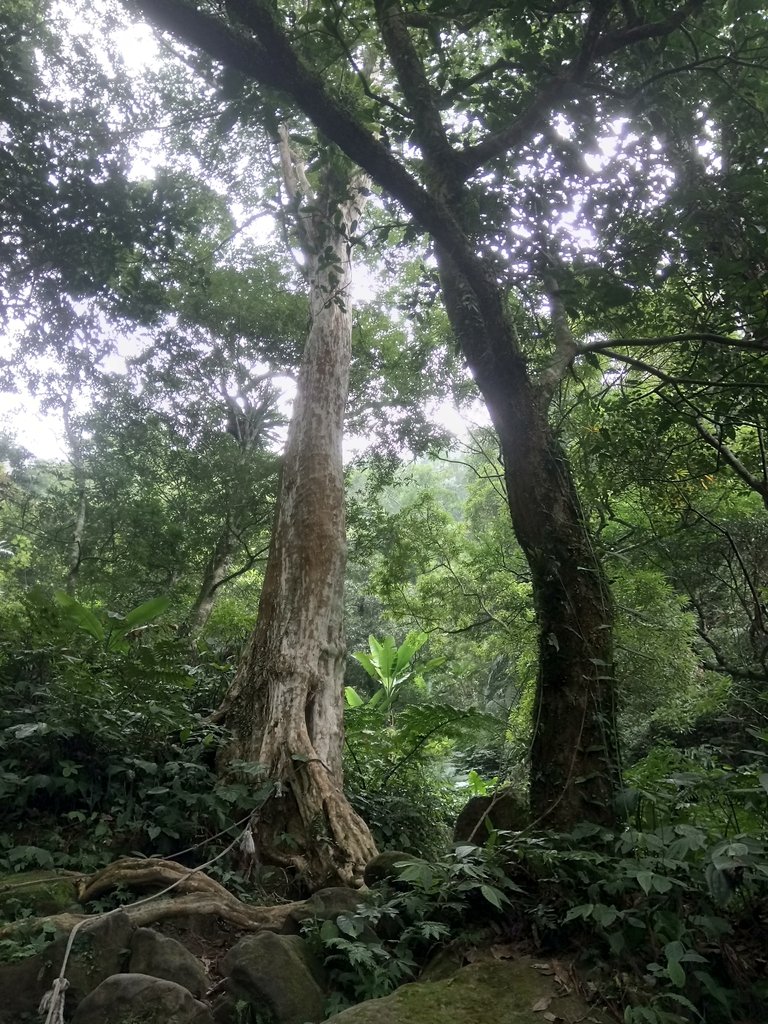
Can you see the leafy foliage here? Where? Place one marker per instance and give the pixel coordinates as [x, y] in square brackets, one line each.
[672, 911]
[102, 745]
[384, 942]
[398, 769]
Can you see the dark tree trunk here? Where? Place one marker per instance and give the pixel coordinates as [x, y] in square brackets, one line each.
[574, 771]
[574, 755]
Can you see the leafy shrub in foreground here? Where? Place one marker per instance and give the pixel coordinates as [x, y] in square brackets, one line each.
[101, 749]
[676, 920]
[382, 944]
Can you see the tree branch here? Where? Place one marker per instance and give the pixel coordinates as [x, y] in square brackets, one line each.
[249, 564]
[419, 94]
[671, 339]
[472, 157]
[676, 382]
[622, 38]
[570, 78]
[758, 486]
[270, 60]
[566, 347]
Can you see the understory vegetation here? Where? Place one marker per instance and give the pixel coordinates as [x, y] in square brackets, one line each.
[107, 751]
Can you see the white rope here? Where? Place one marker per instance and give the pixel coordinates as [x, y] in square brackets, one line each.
[52, 1002]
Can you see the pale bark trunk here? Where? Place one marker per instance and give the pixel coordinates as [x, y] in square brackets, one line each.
[215, 572]
[78, 475]
[286, 704]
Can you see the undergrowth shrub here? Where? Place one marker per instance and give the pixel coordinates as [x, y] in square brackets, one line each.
[398, 776]
[383, 943]
[399, 748]
[673, 908]
[103, 747]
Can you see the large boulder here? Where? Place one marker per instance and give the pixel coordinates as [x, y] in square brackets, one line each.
[505, 811]
[277, 973]
[163, 957]
[515, 992]
[100, 949]
[140, 999]
[21, 988]
[382, 867]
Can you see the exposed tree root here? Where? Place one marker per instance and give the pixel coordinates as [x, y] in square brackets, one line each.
[233, 911]
[199, 895]
[139, 874]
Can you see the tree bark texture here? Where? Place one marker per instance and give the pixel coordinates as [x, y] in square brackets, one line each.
[574, 771]
[286, 704]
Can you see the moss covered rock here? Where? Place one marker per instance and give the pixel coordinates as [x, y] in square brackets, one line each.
[37, 892]
[163, 957]
[277, 976]
[505, 811]
[515, 992]
[140, 999]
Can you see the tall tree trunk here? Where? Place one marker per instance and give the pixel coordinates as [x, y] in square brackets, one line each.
[78, 475]
[286, 704]
[574, 761]
[215, 572]
[574, 771]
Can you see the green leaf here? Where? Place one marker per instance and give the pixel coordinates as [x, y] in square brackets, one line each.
[328, 931]
[352, 697]
[645, 880]
[367, 664]
[584, 910]
[79, 614]
[676, 973]
[412, 643]
[494, 896]
[144, 613]
[605, 915]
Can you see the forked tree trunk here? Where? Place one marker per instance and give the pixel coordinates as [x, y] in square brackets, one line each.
[286, 704]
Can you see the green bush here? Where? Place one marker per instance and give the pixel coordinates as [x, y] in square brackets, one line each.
[383, 943]
[673, 912]
[103, 747]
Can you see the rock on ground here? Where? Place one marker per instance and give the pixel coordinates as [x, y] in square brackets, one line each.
[514, 992]
[100, 950]
[382, 867]
[505, 811]
[163, 957]
[276, 973]
[140, 999]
